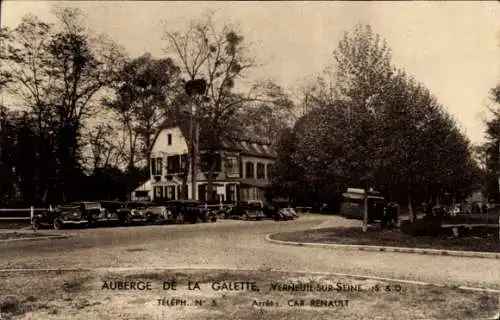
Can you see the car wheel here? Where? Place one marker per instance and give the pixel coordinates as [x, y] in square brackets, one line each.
[157, 220]
[36, 224]
[180, 218]
[57, 224]
[214, 219]
[126, 220]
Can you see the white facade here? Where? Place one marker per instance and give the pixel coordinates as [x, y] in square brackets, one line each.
[168, 165]
[177, 145]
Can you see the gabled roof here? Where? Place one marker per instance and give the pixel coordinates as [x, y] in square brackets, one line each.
[249, 147]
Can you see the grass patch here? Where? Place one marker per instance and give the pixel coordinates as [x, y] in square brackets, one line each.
[14, 224]
[79, 295]
[392, 238]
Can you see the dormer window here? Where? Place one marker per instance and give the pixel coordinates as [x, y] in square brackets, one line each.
[169, 139]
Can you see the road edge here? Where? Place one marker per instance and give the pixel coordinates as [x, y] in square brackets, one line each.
[47, 237]
[440, 252]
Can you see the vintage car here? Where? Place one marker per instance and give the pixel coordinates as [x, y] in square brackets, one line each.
[158, 215]
[95, 213]
[59, 217]
[280, 211]
[248, 210]
[220, 211]
[208, 214]
[143, 212]
[131, 212]
[112, 211]
[190, 211]
[76, 213]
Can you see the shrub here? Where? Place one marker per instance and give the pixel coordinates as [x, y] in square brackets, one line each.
[427, 226]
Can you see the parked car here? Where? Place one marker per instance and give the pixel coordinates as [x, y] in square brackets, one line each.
[59, 217]
[158, 215]
[85, 213]
[137, 212]
[208, 214]
[92, 211]
[128, 213]
[219, 212]
[95, 213]
[248, 210]
[280, 210]
[190, 211]
[112, 211]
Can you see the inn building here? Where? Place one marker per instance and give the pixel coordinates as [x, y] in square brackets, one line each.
[242, 167]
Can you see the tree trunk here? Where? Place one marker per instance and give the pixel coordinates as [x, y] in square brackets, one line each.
[410, 209]
[210, 177]
[183, 194]
[365, 209]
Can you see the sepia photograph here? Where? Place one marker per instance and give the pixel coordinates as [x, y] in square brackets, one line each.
[240, 160]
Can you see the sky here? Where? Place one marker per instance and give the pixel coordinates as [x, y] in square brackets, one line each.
[451, 47]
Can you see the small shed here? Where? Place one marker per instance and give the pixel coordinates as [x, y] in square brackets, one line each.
[143, 192]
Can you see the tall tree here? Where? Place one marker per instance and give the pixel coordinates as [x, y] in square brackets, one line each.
[56, 71]
[492, 146]
[103, 147]
[145, 96]
[220, 57]
[363, 71]
[394, 135]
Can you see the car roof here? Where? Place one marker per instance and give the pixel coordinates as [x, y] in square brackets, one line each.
[140, 202]
[183, 201]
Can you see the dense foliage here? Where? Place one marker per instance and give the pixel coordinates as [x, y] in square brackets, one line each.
[368, 124]
[379, 129]
[489, 152]
[89, 114]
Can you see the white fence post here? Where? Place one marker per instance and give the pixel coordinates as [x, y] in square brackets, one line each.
[32, 214]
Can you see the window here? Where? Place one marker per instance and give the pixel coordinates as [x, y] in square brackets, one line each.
[208, 160]
[231, 192]
[268, 171]
[173, 164]
[170, 192]
[169, 139]
[156, 166]
[153, 166]
[158, 192]
[249, 174]
[232, 166]
[184, 162]
[261, 171]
